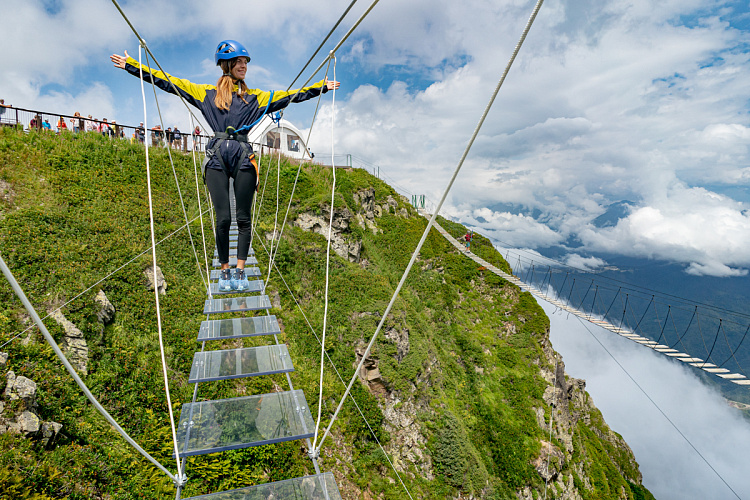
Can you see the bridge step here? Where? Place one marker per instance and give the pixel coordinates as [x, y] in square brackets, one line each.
[222, 329]
[250, 272]
[318, 487]
[240, 363]
[231, 424]
[251, 261]
[236, 304]
[233, 251]
[255, 286]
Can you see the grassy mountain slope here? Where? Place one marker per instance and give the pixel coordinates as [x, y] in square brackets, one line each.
[459, 399]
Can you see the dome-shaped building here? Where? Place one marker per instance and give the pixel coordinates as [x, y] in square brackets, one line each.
[280, 137]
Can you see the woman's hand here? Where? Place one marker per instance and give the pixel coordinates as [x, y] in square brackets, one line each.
[332, 84]
[119, 60]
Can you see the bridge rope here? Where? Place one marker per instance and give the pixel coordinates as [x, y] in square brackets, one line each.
[51, 341]
[98, 282]
[643, 391]
[335, 369]
[174, 170]
[156, 287]
[432, 220]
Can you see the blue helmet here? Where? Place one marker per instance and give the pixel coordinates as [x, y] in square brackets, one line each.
[229, 49]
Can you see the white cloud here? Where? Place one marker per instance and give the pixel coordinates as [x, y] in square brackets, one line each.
[584, 263]
[709, 231]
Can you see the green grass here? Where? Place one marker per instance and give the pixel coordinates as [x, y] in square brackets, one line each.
[80, 212]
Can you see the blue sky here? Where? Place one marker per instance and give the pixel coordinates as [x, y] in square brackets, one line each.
[608, 101]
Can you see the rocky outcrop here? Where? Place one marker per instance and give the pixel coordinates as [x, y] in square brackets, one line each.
[19, 410]
[106, 311]
[401, 339]
[341, 242]
[369, 210]
[74, 344]
[158, 281]
[369, 373]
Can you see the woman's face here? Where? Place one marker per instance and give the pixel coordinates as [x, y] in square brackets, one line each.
[239, 69]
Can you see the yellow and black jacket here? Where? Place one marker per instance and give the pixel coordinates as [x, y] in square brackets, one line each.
[239, 114]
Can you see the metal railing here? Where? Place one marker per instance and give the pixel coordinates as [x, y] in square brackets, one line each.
[29, 119]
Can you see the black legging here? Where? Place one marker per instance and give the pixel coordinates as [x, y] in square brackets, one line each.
[244, 190]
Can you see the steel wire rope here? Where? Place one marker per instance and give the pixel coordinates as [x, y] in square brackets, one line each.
[200, 210]
[580, 304]
[551, 417]
[203, 344]
[666, 318]
[716, 338]
[328, 260]
[338, 374]
[51, 341]
[142, 42]
[637, 288]
[174, 172]
[593, 302]
[735, 350]
[294, 187]
[97, 283]
[629, 286]
[431, 222]
[322, 43]
[624, 310]
[657, 407]
[679, 339]
[276, 216]
[341, 42]
[156, 288]
[700, 331]
[645, 311]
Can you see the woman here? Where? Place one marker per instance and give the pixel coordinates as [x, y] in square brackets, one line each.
[231, 110]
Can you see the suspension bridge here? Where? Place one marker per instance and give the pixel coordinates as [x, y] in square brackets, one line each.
[630, 309]
[215, 426]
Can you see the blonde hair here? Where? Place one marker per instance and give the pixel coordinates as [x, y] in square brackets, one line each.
[225, 85]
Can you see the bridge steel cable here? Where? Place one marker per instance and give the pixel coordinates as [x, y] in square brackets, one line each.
[180, 478]
[322, 43]
[106, 277]
[174, 172]
[687, 440]
[431, 222]
[335, 369]
[328, 264]
[142, 42]
[51, 341]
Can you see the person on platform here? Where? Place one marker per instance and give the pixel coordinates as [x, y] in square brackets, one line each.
[231, 110]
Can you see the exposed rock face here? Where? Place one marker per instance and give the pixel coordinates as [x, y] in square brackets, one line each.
[3, 359]
[159, 281]
[401, 339]
[344, 248]
[20, 388]
[570, 405]
[25, 419]
[106, 312]
[369, 373]
[409, 443]
[74, 344]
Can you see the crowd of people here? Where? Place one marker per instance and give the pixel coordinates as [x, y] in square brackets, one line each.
[172, 137]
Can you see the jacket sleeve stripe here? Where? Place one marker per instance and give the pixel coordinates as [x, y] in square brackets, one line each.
[194, 93]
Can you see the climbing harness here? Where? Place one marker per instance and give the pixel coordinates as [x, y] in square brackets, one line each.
[239, 135]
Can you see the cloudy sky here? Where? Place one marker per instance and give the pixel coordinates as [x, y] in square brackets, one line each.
[632, 100]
